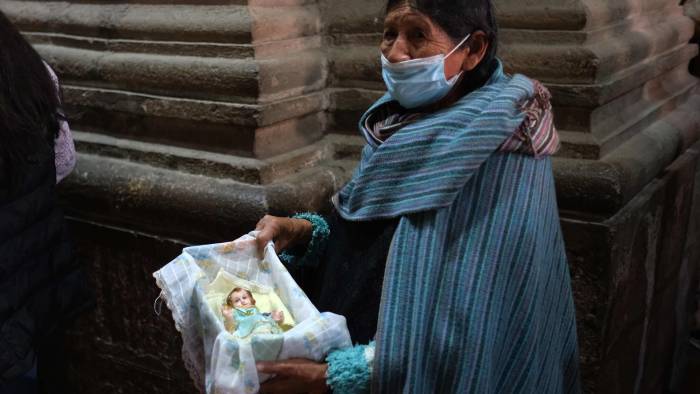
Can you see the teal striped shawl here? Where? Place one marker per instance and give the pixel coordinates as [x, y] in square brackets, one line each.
[477, 295]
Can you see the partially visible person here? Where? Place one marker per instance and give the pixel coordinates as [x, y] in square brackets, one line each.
[41, 285]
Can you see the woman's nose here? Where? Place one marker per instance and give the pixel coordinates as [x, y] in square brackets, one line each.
[398, 52]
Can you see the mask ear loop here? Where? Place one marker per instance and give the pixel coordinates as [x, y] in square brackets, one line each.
[453, 51]
[458, 45]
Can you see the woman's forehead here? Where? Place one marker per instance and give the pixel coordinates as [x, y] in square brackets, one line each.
[406, 14]
[403, 3]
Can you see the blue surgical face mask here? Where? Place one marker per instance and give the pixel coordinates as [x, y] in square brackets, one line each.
[418, 82]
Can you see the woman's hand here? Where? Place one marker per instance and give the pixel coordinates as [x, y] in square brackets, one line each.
[285, 232]
[296, 375]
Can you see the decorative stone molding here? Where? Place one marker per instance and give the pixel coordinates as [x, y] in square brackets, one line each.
[154, 190]
[244, 79]
[617, 70]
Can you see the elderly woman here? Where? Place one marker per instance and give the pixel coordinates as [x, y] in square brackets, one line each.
[445, 246]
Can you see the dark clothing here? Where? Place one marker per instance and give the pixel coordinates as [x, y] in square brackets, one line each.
[41, 285]
[337, 285]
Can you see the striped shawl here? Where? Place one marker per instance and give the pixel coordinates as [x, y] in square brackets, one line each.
[476, 295]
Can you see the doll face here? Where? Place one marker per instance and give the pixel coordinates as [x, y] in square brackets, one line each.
[242, 299]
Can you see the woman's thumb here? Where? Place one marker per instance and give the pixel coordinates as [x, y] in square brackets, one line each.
[264, 236]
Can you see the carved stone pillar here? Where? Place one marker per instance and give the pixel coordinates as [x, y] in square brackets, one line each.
[692, 11]
[627, 110]
[224, 100]
[192, 120]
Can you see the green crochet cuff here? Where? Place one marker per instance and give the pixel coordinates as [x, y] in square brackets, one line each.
[310, 255]
[349, 369]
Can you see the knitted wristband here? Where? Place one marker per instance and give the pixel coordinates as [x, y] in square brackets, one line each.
[349, 370]
[319, 237]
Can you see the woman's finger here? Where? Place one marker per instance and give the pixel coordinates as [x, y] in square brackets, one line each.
[272, 368]
[282, 385]
[280, 245]
[263, 222]
[289, 368]
[295, 367]
[295, 375]
[266, 234]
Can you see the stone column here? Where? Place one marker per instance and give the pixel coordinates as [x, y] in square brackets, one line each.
[200, 110]
[192, 120]
[692, 11]
[627, 111]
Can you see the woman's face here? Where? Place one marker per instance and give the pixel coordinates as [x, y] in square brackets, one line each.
[410, 34]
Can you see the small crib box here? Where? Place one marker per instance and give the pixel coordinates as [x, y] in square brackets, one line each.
[194, 285]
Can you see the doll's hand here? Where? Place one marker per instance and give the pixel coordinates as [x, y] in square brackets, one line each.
[277, 316]
[227, 312]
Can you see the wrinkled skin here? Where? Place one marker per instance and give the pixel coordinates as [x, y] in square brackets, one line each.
[285, 232]
[296, 375]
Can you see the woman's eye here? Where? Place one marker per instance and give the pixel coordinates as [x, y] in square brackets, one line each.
[418, 35]
[389, 35]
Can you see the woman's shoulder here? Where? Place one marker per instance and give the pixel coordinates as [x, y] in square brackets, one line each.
[536, 135]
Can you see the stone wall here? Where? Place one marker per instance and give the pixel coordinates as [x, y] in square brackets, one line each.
[194, 118]
[691, 9]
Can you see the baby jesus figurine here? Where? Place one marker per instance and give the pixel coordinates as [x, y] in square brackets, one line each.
[243, 318]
